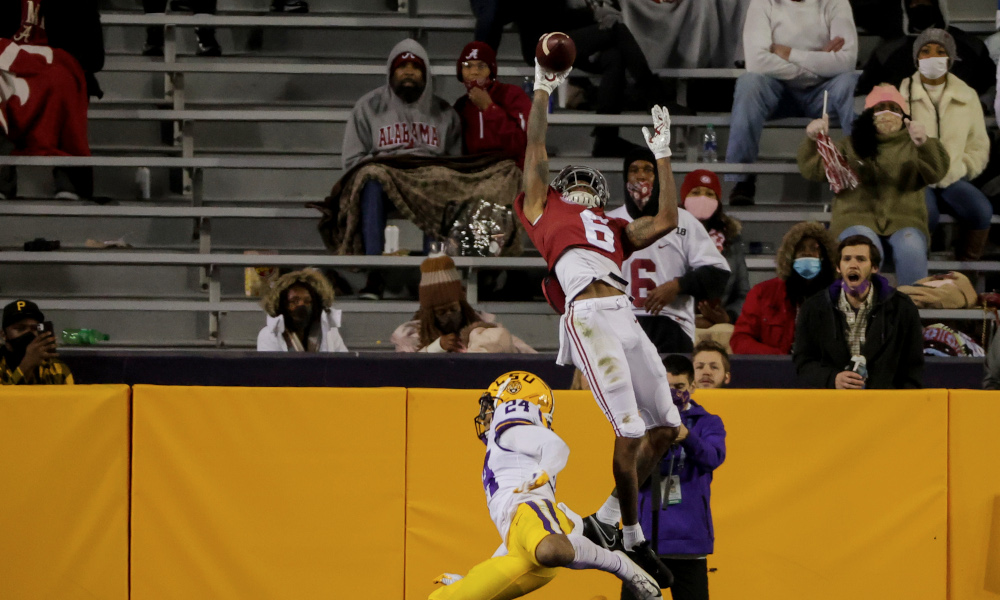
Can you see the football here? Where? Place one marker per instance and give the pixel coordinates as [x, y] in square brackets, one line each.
[555, 52]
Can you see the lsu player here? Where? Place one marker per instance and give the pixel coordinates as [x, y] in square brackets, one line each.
[523, 457]
[584, 250]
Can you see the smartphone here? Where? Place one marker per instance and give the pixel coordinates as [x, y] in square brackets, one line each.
[46, 327]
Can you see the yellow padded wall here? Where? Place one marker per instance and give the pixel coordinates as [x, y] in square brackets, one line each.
[64, 492]
[276, 493]
[974, 487]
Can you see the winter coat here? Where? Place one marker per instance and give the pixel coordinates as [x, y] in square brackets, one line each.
[381, 123]
[271, 338]
[890, 196]
[497, 339]
[502, 127]
[767, 322]
[70, 25]
[735, 254]
[958, 122]
[894, 341]
[686, 527]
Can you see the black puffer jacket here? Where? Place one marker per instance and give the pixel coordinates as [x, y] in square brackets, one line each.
[893, 346]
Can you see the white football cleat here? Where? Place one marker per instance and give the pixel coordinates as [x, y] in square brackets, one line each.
[640, 583]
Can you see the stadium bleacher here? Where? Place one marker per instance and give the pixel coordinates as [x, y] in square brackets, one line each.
[238, 145]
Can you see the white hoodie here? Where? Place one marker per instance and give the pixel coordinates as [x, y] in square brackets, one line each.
[272, 339]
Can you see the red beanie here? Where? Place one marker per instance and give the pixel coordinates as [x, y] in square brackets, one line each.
[699, 178]
[477, 51]
[408, 56]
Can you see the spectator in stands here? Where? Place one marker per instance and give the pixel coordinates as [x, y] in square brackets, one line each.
[300, 315]
[28, 355]
[604, 46]
[667, 278]
[950, 111]
[711, 365]
[207, 44]
[894, 163]
[795, 52]
[883, 18]
[892, 60]
[51, 52]
[859, 316]
[700, 196]
[805, 267]
[446, 322]
[684, 534]
[494, 115]
[401, 117]
[991, 367]
[687, 35]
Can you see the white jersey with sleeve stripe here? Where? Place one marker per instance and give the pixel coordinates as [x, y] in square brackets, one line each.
[505, 468]
[686, 248]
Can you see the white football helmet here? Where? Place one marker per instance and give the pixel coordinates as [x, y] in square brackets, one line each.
[582, 185]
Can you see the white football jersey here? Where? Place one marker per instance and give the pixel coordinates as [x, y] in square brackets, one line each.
[683, 249]
[505, 469]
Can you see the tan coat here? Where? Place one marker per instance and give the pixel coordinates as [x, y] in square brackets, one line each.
[963, 125]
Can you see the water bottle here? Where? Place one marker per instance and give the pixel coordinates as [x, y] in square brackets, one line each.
[83, 337]
[143, 182]
[709, 145]
[528, 85]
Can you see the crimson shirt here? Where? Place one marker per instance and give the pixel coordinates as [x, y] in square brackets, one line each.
[502, 127]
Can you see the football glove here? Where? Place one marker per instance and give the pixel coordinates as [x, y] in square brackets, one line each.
[447, 578]
[537, 480]
[548, 81]
[659, 140]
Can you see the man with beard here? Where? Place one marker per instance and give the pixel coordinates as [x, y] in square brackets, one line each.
[711, 365]
[667, 278]
[28, 356]
[805, 266]
[494, 115]
[860, 333]
[301, 317]
[447, 323]
[402, 117]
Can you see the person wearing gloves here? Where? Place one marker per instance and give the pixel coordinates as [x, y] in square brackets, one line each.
[951, 112]
[669, 277]
[795, 52]
[494, 115]
[447, 323]
[684, 533]
[300, 315]
[701, 194]
[805, 266]
[895, 161]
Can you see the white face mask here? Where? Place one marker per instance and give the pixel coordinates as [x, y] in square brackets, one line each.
[934, 68]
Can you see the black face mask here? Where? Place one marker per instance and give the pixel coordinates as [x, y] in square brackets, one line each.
[19, 347]
[924, 17]
[449, 322]
[300, 316]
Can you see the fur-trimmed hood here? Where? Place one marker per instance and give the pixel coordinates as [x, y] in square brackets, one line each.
[310, 277]
[813, 229]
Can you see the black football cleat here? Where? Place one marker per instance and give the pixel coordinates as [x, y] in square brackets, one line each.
[644, 556]
[604, 535]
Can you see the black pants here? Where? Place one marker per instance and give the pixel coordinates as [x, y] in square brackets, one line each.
[690, 579]
[78, 180]
[154, 33]
[491, 17]
[667, 335]
[617, 54]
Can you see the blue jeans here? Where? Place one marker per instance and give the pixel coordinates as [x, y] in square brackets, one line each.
[909, 250]
[761, 97]
[963, 200]
[373, 217]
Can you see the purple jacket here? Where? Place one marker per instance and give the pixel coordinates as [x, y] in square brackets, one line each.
[686, 528]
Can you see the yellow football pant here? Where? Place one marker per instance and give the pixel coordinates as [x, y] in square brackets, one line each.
[518, 573]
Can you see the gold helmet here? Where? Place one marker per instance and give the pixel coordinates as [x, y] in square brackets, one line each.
[521, 387]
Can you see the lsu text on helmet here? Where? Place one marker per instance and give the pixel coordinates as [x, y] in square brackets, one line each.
[582, 185]
[514, 386]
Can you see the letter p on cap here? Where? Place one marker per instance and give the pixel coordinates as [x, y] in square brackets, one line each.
[20, 306]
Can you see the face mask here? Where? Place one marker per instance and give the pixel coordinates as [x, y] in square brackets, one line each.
[858, 291]
[807, 266]
[19, 347]
[301, 315]
[679, 398]
[934, 68]
[449, 322]
[640, 192]
[887, 121]
[478, 83]
[702, 207]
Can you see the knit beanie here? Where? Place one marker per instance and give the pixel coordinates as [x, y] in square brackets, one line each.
[407, 56]
[886, 93]
[477, 51]
[937, 36]
[440, 283]
[699, 178]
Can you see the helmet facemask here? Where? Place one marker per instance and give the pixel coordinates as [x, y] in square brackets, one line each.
[485, 416]
[582, 185]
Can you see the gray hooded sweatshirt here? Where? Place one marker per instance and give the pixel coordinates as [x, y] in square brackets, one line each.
[382, 124]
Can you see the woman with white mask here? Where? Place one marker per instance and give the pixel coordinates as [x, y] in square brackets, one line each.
[950, 110]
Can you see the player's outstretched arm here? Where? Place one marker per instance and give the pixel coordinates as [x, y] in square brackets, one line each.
[536, 159]
[645, 230]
